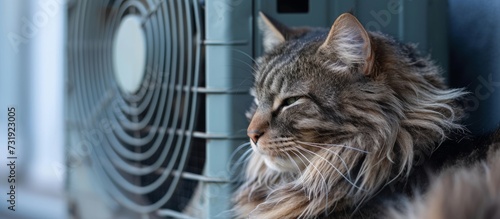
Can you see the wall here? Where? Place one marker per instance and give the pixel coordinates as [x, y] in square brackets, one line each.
[32, 81]
[475, 59]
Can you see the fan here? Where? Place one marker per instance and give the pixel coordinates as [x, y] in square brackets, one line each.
[135, 74]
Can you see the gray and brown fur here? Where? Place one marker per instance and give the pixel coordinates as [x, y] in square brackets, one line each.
[462, 191]
[339, 114]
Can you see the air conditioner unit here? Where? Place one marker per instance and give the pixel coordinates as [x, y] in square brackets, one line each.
[158, 89]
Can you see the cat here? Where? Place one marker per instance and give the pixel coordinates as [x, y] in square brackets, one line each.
[340, 116]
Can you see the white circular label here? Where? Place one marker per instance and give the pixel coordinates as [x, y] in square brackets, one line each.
[129, 54]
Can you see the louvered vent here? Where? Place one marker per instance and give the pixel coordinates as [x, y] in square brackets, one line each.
[134, 75]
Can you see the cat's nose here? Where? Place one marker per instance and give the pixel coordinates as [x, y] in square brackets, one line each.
[258, 126]
[254, 135]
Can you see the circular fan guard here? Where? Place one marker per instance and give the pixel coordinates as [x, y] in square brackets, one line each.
[140, 141]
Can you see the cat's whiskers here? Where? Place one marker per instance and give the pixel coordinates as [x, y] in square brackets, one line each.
[315, 167]
[282, 139]
[325, 188]
[238, 149]
[360, 174]
[293, 161]
[317, 145]
[245, 156]
[297, 155]
[332, 145]
[333, 152]
[241, 147]
[336, 169]
[281, 145]
[244, 53]
[242, 159]
[248, 65]
[254, 67]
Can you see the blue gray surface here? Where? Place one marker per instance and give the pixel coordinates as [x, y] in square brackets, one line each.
[475, 59]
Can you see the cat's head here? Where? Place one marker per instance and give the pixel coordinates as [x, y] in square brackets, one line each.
[362, 96]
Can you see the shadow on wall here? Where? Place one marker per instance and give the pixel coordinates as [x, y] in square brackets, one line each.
[475, 59]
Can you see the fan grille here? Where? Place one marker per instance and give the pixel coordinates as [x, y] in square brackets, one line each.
[140, 142]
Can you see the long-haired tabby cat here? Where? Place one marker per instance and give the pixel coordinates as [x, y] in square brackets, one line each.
[340, 118]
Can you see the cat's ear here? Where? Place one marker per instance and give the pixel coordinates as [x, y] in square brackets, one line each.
[273, 32]
[350, 42]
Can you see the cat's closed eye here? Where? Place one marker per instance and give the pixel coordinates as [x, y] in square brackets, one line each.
[289, 101]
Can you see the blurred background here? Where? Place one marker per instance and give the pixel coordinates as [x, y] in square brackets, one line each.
[132, 109]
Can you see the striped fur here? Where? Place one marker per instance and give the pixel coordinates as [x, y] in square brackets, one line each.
[351, 131]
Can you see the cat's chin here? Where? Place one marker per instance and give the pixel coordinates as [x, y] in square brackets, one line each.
[282, 165]
[279, 164]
